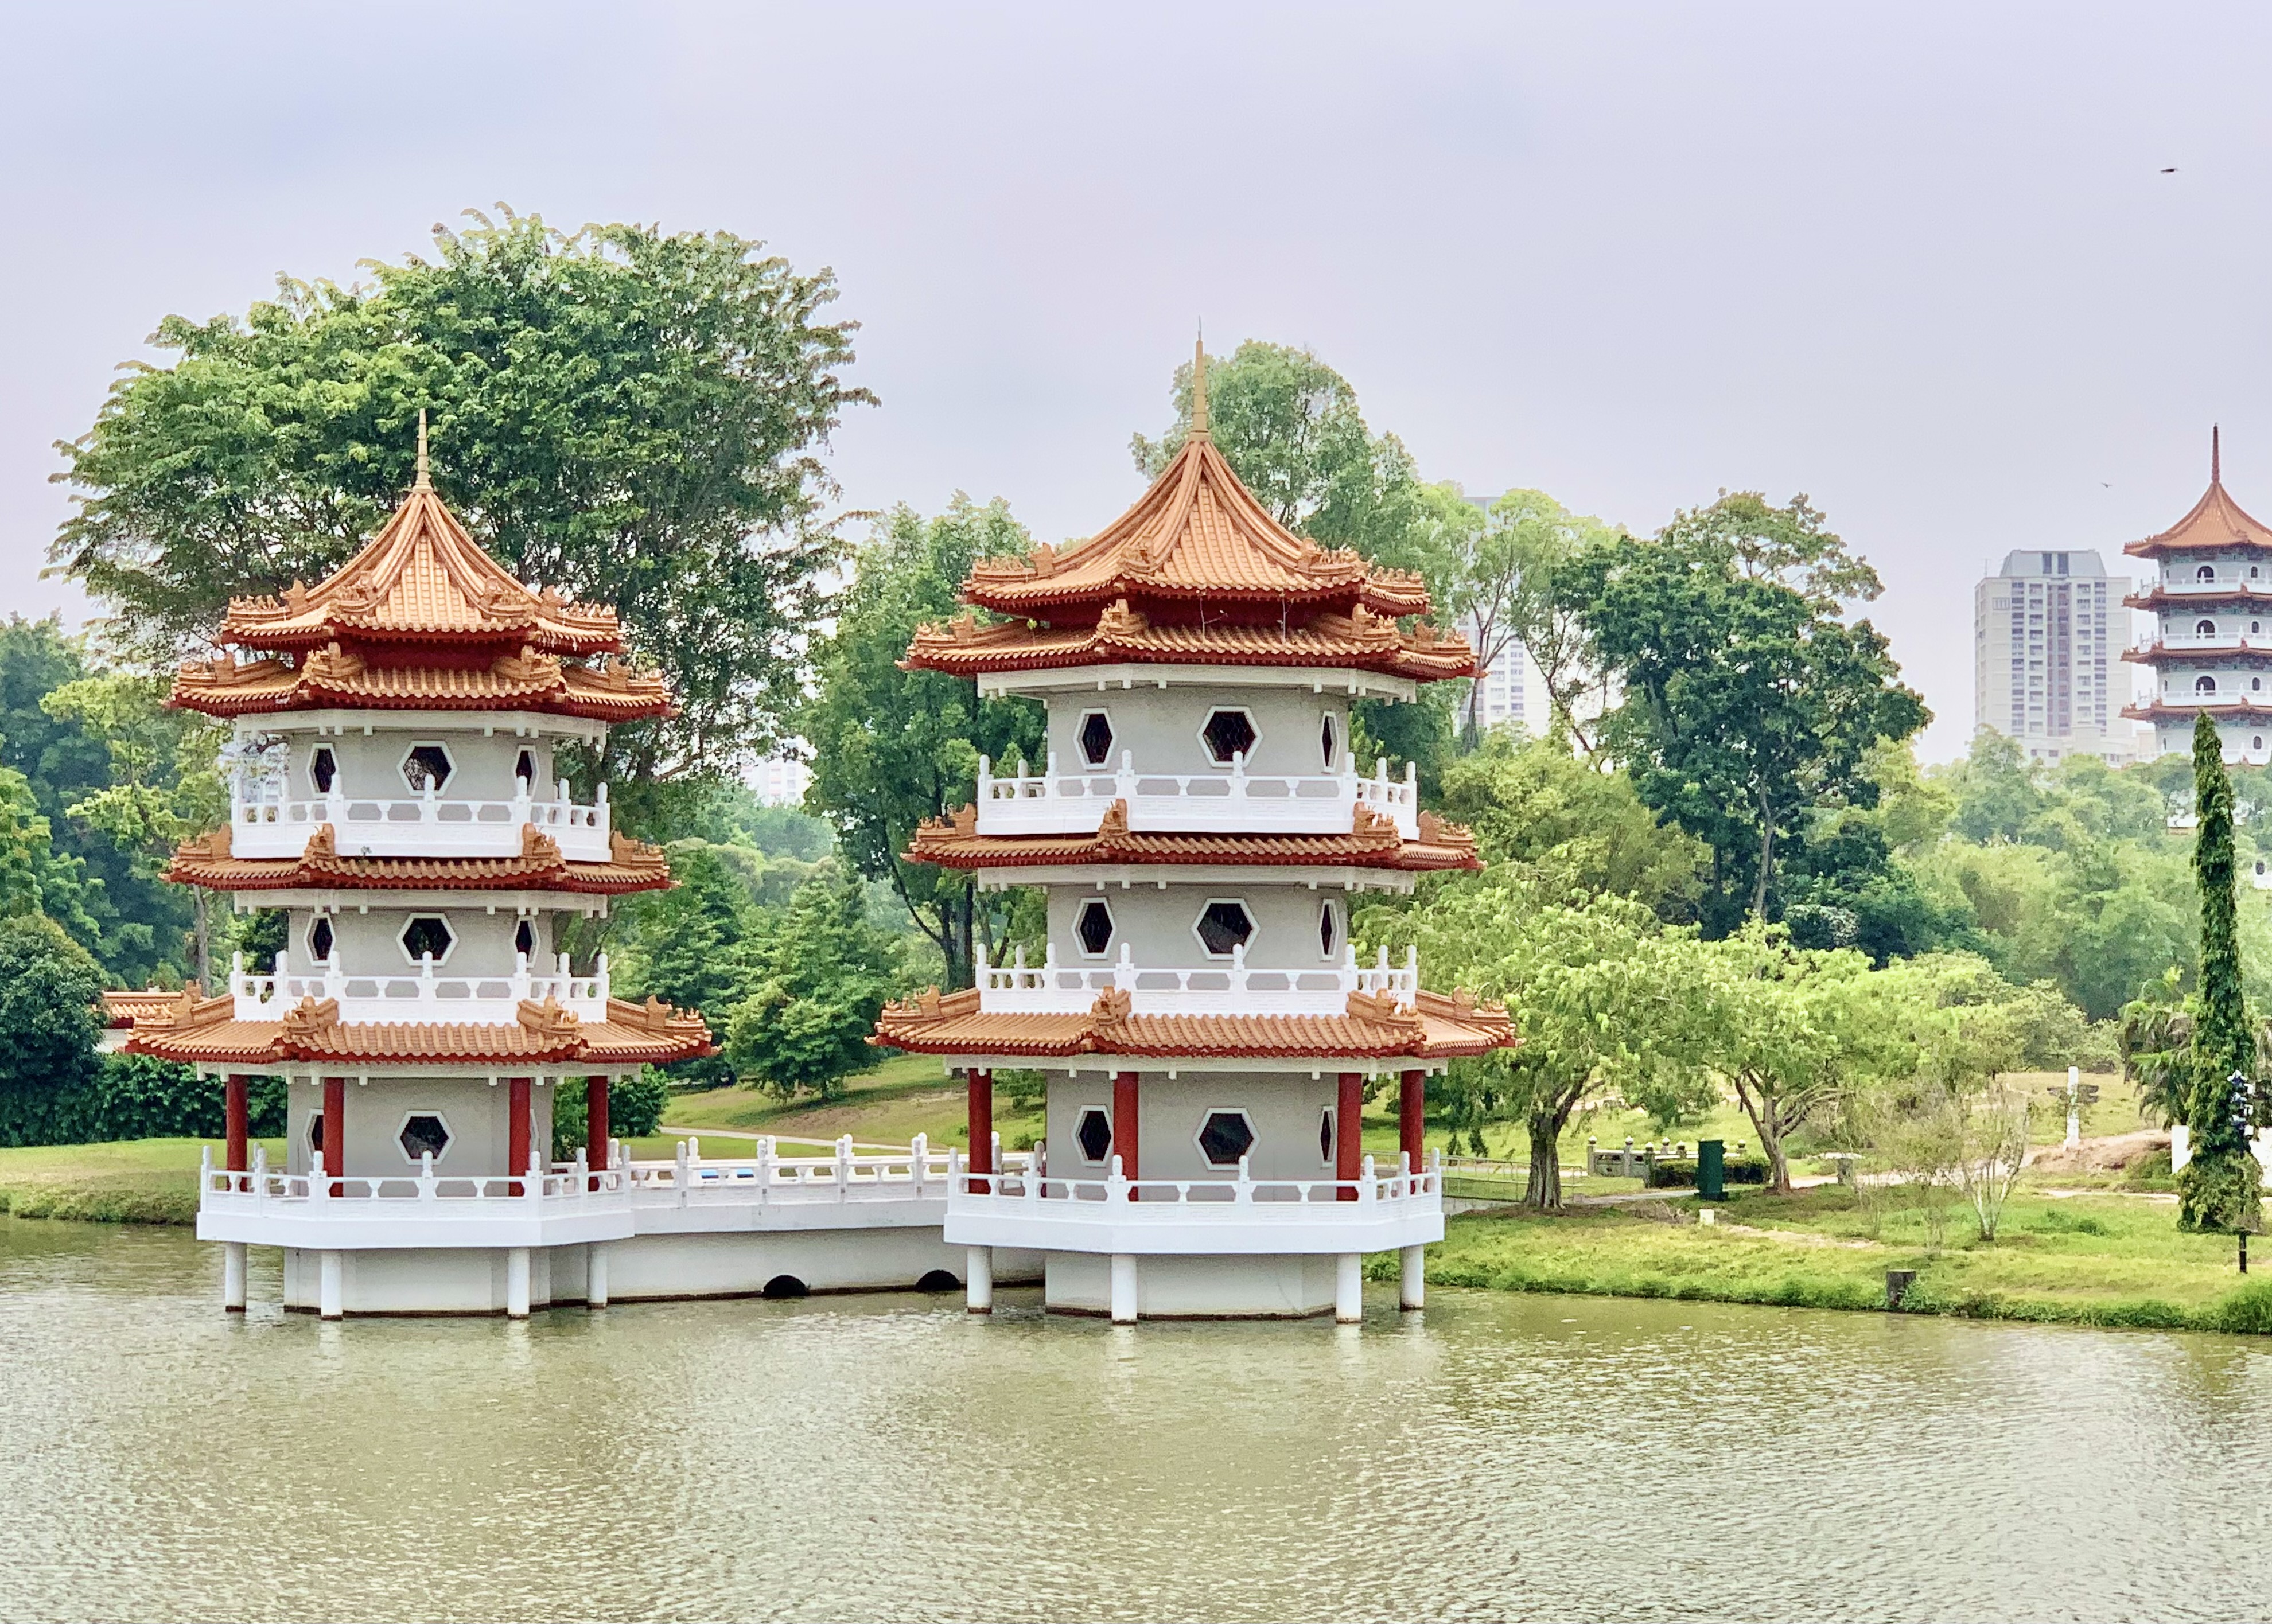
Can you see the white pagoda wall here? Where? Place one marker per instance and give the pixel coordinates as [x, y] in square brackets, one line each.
[475, 1111]
[370, 766]
[1159, 925]
[371, 945]
[1162, 726]
[1284, 1107]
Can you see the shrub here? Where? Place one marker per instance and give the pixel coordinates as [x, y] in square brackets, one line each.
[635, 1108]
[50, 1021]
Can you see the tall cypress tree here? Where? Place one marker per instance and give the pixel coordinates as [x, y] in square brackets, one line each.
[2219, 1189]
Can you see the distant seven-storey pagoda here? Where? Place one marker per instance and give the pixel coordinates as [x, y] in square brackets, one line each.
[2212, 603]
[1200, 827]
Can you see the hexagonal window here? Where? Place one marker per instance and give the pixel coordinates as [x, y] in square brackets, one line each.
[1223, 926]
[1228, 734]
[524, 939]
[427, 936]
[1095, 738]
[316, 1132]
[424, 1134]
[1329, 930]
[1094, 927]
[1329, 741]
[1094, 1135]
[1225, 1136]
[323, 769]
[427, 766]
[524, 768]
[320, 939]
[1326, 1135]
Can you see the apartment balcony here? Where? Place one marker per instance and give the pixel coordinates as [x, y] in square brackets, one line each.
[265, 822]
[1056, 989]
[1240, 1216]
[430, 993]
[1231, 800]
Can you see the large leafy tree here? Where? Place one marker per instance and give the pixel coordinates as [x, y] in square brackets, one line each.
[893, 746]
[1602, 992]
[822, 979]
[631, 415]
[1501, 580]
[104, 894]
[2219, 1188]
[50, 988]
[1750, 702]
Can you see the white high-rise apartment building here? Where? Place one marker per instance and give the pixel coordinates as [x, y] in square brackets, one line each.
[2048, 634]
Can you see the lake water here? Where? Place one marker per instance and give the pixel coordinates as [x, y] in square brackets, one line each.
[1500, 1457]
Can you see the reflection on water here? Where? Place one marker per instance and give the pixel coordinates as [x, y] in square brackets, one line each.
[888, 1457]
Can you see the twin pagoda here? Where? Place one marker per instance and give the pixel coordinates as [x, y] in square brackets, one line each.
[1207, 1033]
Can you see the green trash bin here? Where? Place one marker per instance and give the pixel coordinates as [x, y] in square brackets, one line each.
[1711, 1170]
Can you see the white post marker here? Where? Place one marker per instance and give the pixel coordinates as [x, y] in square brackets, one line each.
[232, 1275]
[2074, 1107]
[1123, 1287]
[1349, 1288]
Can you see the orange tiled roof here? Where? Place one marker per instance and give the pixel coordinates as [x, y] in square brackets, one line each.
[955, 843]
[422, 579]
[338, 675]
[124, 1007]
[194, 1030]
[1196, 572]
[1197, 534]
[632, 866]
[1359, 639]
[2156, 710]
[2215, 521]
[1371, 1028]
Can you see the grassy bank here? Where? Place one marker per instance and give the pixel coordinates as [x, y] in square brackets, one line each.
[129, 1181]
[2090, 1260]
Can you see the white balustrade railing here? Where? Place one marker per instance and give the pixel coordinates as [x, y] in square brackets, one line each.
[690, 1178]
[1230, 800]
[1165, 1200]
[1055, 988]
[428, 993]
[266, 820]
[2225, 587]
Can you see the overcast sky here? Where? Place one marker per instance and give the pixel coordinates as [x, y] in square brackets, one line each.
[1919, 262]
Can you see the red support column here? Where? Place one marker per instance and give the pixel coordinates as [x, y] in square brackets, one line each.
[1123, 1122]
[516, 1136]
[595, 1126]
[335, 1130]
[982, 1123]
[1349, 1133]
[237, 1115]
[1411, 1106]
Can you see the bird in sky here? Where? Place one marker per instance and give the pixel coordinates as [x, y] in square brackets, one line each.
[2173, 169]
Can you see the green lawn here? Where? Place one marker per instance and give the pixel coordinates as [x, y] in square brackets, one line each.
[129, 1181]
[2102, 1260]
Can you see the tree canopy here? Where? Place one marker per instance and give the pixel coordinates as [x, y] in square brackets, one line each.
[1750, 702]
[631, 415]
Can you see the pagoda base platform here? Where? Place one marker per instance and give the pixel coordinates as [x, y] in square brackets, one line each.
[460, 1280]
[1196, 1288]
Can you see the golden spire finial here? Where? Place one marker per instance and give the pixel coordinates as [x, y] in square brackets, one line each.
[1199, 388]
[424, 482]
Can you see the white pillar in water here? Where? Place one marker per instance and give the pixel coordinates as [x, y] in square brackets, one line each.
[232, 1275]
[331, 1288]
[1123, 1288]
[1349, 1288]
[1412, 1278]
[595, 1275]
[978, 1277]
[516, 1283]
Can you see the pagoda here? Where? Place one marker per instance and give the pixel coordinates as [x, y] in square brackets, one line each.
[1200, 827]
[2212, 601]
[393, 790]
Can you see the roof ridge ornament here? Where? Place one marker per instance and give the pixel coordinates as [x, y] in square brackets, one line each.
[1198, 429]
